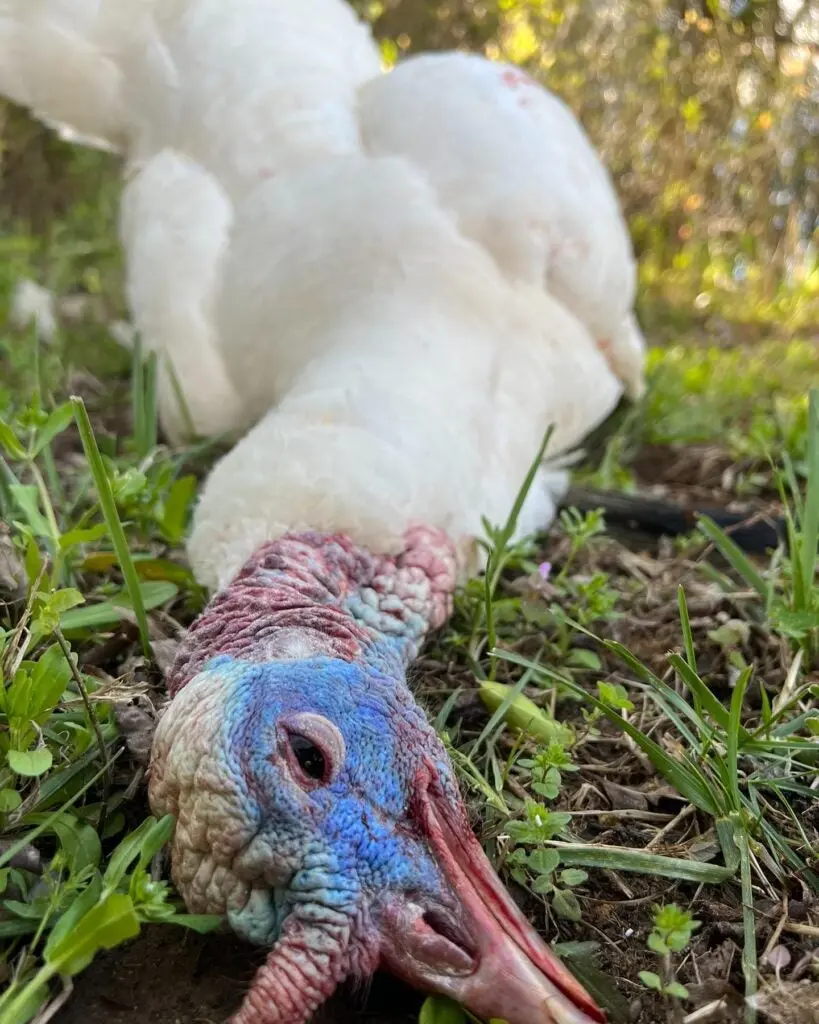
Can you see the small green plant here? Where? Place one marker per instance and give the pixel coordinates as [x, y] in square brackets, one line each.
[671, 935]
[788, 589]
[547, 767]
[63, 894]
[553, 605]
[538, 868]
[574, 597]
[580, 529]
[584, 601]
[75, 909]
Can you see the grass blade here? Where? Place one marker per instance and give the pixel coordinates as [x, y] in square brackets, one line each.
[749, 959]
[138, 394]
[732, 736]
[672, 704]
[500, 545]
[151, 404]
[11, 851]
[105, 614]
[512, 521]
[112, 520]
[143, 399]
[619, 858]
[706, 700]
[677, 708]
[183, 407]
[685, 622]
[733, 554]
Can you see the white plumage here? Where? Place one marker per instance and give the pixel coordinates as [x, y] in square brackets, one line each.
[249, 87]
[512, 162]
[175, 223]
[61, 59]
[400, 279]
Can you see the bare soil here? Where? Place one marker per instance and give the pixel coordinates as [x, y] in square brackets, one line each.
[171, 976]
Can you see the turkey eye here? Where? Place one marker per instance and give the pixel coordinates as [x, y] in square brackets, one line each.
[310, 758]
[311, 745]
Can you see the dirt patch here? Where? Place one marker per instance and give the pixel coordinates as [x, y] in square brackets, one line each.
[170, 976]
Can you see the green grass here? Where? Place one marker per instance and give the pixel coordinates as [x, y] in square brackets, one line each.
[96, 540]
[714, 705]
[748, 403]
[741, 769]
[751, 398]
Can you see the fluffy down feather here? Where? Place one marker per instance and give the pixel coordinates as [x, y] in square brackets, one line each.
[174, 226]
[410, 379]
[241, 88]
[60, 58]
[516, 168]
[248, 87]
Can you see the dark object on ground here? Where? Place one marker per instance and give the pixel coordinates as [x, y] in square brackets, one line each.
[755, 533]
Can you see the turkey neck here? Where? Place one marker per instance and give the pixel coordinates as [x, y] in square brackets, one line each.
[307, 595]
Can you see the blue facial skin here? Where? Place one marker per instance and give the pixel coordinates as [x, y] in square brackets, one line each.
[332, 852]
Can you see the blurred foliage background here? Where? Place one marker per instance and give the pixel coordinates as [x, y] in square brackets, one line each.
[707, 114]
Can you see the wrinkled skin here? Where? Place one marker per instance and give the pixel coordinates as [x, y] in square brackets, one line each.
[253, 843]
[250, 839]
[337, 876]
[316, 808]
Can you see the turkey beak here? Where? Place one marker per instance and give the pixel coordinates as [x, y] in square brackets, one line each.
[483, 953]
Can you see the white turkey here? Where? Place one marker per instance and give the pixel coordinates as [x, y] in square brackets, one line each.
[393, 284]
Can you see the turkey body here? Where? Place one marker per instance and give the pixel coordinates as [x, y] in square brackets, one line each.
[388, 287]
[269, 160]
[442, 256]
[367, 381]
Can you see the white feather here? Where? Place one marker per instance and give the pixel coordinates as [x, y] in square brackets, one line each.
[515, 166]
[247, 87]
[174, 225]
[401, 281]
[410, 379]
[60, 59]
[239, 87]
